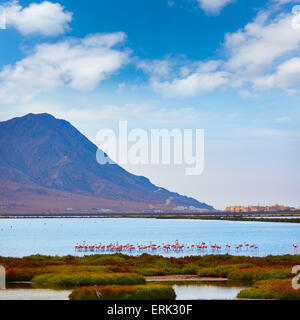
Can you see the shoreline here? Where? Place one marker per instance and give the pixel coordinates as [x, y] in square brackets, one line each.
[280, 220]
[166, 278]
[184, 278]
[285, 217]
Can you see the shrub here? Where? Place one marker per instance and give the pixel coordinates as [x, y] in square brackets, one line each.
[271, 289]
[24, 269]
[110, 259]
[74, 280]
[260, 274]
[207, 272]
[150, 272]
[27, 274]
[222, 271]
[22, 274]
[144, 292]
[190, 268]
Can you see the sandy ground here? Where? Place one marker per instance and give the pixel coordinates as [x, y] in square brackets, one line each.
[182, 277]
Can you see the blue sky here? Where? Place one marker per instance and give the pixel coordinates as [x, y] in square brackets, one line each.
[229, 67]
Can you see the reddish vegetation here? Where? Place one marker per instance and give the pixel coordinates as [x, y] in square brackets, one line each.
[271, 289]
[146, 292]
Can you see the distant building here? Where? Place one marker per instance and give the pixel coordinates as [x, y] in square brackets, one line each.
[275, 208]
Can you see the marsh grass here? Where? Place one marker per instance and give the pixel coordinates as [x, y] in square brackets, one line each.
[74, 280]
[222, 271]
[260, 274]
[233, 267]
[271, 289]
[27, 274]
[142, 292]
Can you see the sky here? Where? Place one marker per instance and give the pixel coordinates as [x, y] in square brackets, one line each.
[230, 67]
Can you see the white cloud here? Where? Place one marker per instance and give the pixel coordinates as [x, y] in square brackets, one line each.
[75, 63]
[100, 115]
[213, 6]
[287, 76]
[137, 113]
[265, 54]
[264, 45]
[2, 19]
[260, 42]
[192, 85]
[173, 80]
[46, 18]
[155, 67]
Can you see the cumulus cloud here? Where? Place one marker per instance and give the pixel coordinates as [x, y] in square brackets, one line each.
[213, 7]
[45, 18]
[75, 63]
[286, 76]
[264, 54]
[264, 45]
[177, 79]
[260, 42]
[193, 84]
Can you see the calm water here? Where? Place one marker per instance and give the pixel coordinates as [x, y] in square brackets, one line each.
[184, 291]
[21, 237]
[33, 294]
[207, 291]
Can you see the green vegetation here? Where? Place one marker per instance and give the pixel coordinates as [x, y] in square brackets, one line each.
[28, 273]
[271, 289]
[232, 267]
[75, 280]
[122, 277]
[223, 271]
[260, 274]
[144, 292]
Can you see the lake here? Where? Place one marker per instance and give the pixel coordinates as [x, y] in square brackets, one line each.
[22, 237]
[208, 290]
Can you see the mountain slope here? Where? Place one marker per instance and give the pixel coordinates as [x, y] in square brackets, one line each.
[40, 152]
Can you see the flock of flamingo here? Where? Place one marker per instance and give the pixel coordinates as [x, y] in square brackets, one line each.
[176, 247]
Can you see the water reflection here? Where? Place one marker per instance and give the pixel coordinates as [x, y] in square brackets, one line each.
[209, 290]
[185, 290]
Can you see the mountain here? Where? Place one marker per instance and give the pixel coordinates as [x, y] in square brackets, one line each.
[46, 163]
